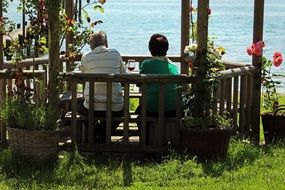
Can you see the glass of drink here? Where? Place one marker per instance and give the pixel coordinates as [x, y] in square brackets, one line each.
[131, 64]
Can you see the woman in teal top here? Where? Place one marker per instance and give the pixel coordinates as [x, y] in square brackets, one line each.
[159, 64]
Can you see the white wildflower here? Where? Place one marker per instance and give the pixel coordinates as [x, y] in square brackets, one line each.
[218, 53]
[190, 48]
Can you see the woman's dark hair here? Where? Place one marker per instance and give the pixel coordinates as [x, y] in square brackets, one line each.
[158, 45]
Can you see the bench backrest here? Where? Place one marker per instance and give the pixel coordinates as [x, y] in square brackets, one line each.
[129, 79]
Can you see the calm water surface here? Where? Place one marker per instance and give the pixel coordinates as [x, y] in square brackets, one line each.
[130, 23]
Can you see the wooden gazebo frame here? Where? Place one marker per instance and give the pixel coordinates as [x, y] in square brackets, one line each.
[202, 39]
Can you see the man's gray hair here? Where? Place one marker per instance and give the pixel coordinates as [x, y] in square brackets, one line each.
[99, 38]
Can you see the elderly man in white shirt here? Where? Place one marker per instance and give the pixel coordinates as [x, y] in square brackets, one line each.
[102, 60]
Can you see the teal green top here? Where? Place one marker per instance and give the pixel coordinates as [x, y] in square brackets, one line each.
[160, 65]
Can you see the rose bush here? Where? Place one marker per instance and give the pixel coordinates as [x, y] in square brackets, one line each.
[269, 84]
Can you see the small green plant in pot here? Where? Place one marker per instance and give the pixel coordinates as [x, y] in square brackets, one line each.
[273, 119]
[31, 123]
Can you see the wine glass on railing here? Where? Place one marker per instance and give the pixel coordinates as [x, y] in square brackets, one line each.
[131, 65]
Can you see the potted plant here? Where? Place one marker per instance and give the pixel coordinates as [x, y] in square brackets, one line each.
[205, 133]
[31, 123]
[273, 119]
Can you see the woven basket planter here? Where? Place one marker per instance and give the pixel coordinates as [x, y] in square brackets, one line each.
[39, 145]
[206, 144]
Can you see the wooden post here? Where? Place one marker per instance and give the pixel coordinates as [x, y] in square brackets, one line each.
[202, 28]
[1, 38]
[24, 19]
[199, 88]
[53, 46]
[69, 36]
[256, 62]
[2, 88]
[184, 35]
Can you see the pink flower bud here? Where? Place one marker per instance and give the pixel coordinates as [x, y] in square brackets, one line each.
[209, 11]
[102, 1]
[277, 59]
[249, 50]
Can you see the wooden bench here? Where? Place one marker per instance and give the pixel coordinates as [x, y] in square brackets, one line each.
[156, 132]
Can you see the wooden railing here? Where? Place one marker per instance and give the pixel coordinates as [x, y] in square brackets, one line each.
[161, 129]
[235, 97]
[234, 94]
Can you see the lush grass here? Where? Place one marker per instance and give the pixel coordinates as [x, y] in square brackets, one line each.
[246, 167]
[281, 100]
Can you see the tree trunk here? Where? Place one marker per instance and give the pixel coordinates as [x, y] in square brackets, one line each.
[53, 44]
[199, 88]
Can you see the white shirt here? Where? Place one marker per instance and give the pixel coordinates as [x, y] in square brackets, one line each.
[103, 60]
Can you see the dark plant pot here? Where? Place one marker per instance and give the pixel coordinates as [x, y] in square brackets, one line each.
[273, 126]
[41, 145]
[206, 144]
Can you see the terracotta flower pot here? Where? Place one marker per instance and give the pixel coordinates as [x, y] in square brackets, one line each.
[206, 144]
[273, 126]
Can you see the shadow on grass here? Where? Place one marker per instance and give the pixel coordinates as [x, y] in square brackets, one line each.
[15, 166]
[241, 153]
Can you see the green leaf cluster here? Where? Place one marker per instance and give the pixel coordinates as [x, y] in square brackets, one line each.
[23, 115]
[269, 85]
[199, 101]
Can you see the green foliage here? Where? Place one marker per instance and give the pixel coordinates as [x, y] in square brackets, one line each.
[271, 98]
[134, 102]
[199, 102]
[19, 114]
[79, 30]
[222, 121]
[98, 7]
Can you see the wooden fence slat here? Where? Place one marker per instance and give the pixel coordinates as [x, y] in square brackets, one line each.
[74, 111]
[126, 113]
[109, 112]
[235, 104]
[229, 94]
[143, 115]
[248, 103]
[222, 97]
[160, 128]
[91, 113]
[242, 104]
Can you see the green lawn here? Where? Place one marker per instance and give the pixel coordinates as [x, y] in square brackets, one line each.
[281, 102]
[246, 167]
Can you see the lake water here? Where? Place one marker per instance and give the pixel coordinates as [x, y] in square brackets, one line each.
[130, 23]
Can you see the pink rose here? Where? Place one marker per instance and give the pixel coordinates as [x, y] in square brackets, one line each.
[257, 51]
[277, 59]
[209, 11]
[260, 44]
[249, 50]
